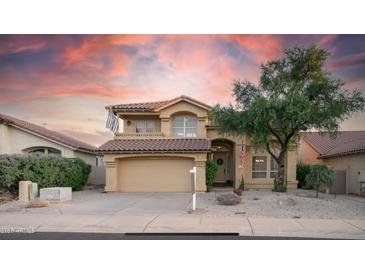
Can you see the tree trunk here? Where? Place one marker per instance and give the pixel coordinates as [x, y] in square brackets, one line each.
[281, 171]
[317, 188]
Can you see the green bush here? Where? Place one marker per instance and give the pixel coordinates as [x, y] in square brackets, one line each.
[302, 172]
[320, 175]
[211, 169]
[46, 170]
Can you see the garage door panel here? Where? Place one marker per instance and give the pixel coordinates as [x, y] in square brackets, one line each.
[155, 175]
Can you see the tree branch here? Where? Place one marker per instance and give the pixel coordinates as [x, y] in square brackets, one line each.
[275, 134]
[271, 153]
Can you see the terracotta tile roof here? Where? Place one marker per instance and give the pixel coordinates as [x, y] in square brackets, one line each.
[156, 145]
[151, 106]
[347, 142]
[50, 134]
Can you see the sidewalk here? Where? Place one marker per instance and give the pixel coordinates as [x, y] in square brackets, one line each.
[245, 226]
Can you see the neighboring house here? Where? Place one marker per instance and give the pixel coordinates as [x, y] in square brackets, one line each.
[344, 153]
[161, 141]
[18, 136]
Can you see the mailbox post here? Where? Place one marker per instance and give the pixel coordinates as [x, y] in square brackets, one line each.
[193, 186]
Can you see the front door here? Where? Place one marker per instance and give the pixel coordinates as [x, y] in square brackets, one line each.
[221, 159]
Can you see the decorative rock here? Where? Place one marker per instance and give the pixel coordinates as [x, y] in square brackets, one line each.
[24, 188]
[58, 194]
[229, 199]
[287, 202]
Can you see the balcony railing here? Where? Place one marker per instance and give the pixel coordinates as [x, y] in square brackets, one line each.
[139, 135]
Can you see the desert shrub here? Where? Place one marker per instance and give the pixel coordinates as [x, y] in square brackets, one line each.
[320, 175]
[211, 169]
[302, 172]
[242, 184]
[46, 170]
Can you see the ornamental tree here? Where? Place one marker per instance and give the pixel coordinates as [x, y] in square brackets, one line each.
[294, 94]
[320, 175]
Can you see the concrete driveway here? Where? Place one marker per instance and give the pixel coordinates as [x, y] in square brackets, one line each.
[93, 202]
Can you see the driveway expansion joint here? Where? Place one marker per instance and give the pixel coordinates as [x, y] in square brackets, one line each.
[363, 230]
[154, 218]
[248, 220]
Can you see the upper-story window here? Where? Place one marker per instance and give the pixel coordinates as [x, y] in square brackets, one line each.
[145, 126]
[184, 126]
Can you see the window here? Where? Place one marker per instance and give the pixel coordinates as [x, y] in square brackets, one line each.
[145, 126]
[44, 150]
[273, 168]
[259, 167]
[139, 126]
[184, 126]
[150, 126]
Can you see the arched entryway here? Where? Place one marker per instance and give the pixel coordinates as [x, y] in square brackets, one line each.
[222, 154]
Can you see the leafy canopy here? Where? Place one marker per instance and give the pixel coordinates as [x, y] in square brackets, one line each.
[294, 94]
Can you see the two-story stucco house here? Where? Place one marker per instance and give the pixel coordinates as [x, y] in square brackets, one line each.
[159, 142]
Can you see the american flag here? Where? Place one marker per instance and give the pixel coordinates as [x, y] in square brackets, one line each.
[112, 122]
[242, 155]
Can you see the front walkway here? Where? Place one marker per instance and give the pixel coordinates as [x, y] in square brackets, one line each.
[91, 211]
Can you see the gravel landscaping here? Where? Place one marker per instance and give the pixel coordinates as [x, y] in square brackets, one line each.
[293, 204]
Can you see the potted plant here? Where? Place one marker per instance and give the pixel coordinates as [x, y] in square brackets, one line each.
[211, 169]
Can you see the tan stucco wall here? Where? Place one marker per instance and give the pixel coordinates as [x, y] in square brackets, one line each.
[183, 107]
[307, 154]
[113, 176]
[352, 164]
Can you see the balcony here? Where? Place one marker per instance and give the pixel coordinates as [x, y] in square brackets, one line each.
[141, 135]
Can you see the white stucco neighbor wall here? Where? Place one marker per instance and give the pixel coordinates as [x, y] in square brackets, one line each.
[17, 140]
[4, 146]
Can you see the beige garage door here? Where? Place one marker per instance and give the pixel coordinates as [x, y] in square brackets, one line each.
[155, 175]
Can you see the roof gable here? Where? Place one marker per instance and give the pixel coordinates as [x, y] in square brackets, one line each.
[184, 99]
[156, 106]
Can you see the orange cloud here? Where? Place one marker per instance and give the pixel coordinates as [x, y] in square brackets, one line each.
[95, 50]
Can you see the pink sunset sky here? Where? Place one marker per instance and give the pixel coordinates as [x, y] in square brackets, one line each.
[63, 82]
